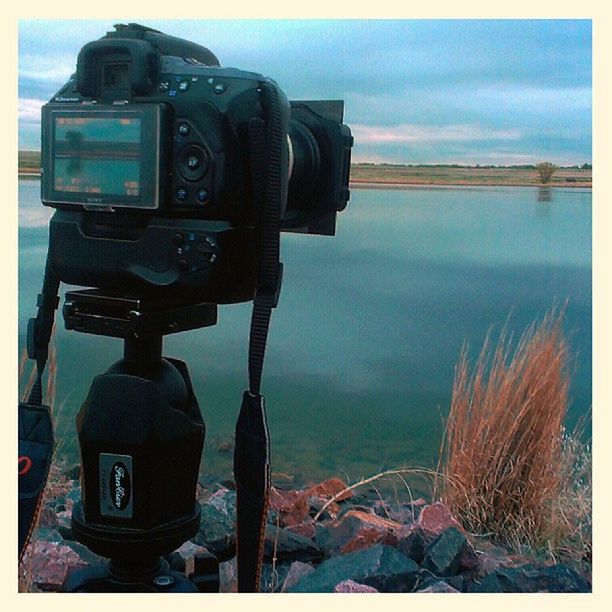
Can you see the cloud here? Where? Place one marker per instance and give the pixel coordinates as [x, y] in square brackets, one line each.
[29, 110]
[53, 74]
[414, 133]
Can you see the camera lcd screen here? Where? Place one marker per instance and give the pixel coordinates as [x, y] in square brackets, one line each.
[97, 155]
[102, 157]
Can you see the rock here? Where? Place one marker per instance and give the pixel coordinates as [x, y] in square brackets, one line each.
[469, 560]
[223, 500]
[228, 576]
[439, 586]
[328, 488]
[85, 554]
[73, 495]
[305, 529]
[488, 584]
[402, 513]
[291, 507]
[64, 524]
[413, 545]
[229, 483]
[50, 562]
[188, 551]
[297, 571]
[356, 530]
[531, 578]
[316, 504]
[436, 518]
[273, 577]
[47, 518]
[46, 534]
[380, 566]
[217, 529]
[73, 473]
[349, 586]
[288, 546]
[443, 556]
[491, 558]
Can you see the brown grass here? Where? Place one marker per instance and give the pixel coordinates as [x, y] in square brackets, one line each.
[507, 468]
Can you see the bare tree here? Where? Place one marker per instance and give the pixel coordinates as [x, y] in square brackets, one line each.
[546, 170]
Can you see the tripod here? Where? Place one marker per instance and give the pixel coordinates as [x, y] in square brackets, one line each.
[141, 436]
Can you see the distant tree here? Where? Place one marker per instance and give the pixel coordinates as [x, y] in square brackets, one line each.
[586, 166]
[546, 170]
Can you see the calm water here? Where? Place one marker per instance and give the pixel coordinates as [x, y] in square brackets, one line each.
[370, 324]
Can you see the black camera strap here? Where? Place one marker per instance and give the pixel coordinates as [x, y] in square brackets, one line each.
[34, 419]
[252, 453]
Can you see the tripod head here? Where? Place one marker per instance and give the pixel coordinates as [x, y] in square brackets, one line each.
[141, 436]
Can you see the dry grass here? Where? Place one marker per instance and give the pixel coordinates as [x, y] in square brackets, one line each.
[508, 469]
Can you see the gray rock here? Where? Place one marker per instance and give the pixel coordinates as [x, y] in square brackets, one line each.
[64, 524]
[46, 534]
[350, 586]
[289, 546]
[380, 566]
[217, 532]
[228, 576]
[413, 546]
[533, 579]
[439, 586]
[443, 555]
[273, 577]
[297, 571]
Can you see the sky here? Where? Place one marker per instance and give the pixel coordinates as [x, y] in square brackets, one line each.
[416, 91]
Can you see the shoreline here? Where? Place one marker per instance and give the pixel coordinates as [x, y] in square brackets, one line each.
[360, 184]
[366, 184]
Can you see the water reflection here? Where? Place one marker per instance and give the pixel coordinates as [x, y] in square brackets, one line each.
[544, 194]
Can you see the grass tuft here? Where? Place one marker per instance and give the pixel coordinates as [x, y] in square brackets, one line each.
[508, 468]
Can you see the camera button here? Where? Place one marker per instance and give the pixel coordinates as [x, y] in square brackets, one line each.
[183, 129]
[202, 195]
[181, 194]
[178, 240]
[219, 88]
[183, 265]
[184, 85]
[164, 86]
[193, 162]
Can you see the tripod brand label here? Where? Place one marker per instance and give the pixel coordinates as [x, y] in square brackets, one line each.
[116, 485]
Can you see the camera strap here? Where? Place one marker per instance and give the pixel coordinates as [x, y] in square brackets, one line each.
[252, 453]
[34, 419]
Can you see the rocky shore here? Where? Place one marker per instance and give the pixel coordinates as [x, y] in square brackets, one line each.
[357, 543]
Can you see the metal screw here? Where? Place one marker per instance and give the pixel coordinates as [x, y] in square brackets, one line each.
[163, 581]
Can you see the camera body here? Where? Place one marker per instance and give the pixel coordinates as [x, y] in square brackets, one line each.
[157, 159]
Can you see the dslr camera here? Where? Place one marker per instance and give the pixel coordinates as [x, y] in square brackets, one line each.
[155, 156]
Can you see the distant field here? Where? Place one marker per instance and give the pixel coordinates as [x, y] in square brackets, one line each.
[372, 175]
[444, 175]
[29, 162]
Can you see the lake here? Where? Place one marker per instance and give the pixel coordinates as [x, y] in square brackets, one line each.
[370, 324]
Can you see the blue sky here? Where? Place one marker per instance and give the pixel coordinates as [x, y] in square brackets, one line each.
[415, 91]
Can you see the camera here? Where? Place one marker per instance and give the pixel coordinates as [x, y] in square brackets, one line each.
[157, 161]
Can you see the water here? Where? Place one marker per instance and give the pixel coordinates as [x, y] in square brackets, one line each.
[362, 348]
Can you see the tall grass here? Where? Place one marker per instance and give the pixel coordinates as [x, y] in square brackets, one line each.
[508, 467]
